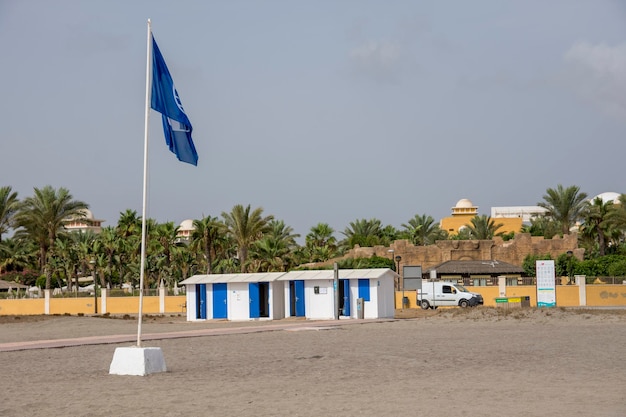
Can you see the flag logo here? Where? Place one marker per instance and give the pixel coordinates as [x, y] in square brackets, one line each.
[177, 99]
[165, 100]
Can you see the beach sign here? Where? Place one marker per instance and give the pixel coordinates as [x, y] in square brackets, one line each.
[546, 288]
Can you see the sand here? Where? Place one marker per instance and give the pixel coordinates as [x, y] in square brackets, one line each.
[478, 362]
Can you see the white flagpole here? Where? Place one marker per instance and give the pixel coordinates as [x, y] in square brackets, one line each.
[145, 181]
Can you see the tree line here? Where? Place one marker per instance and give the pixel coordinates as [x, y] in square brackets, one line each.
[42, 251]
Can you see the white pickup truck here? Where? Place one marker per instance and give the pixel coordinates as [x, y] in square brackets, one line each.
[440, 293]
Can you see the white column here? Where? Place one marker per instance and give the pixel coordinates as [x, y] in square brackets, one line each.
[46, 308]
[104, 293]
[502, 286]
[582, 289]
[162, 298]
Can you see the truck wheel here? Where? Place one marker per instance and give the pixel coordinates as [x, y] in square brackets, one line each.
[424, 304]
[463, 303]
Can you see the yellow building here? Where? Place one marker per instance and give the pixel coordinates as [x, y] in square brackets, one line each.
[465, 211]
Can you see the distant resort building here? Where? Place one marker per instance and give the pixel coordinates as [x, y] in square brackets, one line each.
[526, 213]
[462, 214]
[512, 218]
[607, 197]
[464, 211]
[84, 224]
[185, 230]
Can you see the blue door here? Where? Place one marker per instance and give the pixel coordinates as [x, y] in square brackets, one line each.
[255, 304]
[201, 301]
[345, 307]
[220, 301]
[364, 289]
[297, 298]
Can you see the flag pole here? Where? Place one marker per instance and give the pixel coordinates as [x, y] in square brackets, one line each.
[145, 182]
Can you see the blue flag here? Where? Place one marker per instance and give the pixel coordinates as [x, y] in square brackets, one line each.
[166, 101]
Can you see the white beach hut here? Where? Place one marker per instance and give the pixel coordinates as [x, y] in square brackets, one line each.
[316, 291]
[234, 296]
[276, 295]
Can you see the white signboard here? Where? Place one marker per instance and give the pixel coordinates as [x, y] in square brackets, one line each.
[546, 289]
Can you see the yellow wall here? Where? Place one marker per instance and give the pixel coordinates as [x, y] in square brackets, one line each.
[22, 307]
[566, 295]
[606, 295]
[509, 224]
[84, 305]
[176, 304]
[453, 224]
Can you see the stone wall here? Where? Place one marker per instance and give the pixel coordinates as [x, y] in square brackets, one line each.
[513, 251]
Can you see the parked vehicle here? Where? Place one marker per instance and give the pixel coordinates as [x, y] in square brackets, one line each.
[440, 293]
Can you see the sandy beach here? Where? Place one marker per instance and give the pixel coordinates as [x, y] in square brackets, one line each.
[478, 362]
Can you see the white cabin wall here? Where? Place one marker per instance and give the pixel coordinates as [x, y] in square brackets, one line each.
[319, 306]
[209, 301]
[386, 294]
[238, 301]
[191, 302]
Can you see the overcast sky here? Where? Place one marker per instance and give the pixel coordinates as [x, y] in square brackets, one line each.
[317, 111]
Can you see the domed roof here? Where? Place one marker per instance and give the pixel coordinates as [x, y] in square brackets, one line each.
[186, 225]
[464, 203]
[88, 214]
[608, 196]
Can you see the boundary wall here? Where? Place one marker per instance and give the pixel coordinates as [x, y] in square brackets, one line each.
[161, 304]
[578, 295]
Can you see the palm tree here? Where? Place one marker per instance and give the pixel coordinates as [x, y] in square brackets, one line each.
[8, 207]
[17, 254]
[542, 226]
[66, 250]
[129, 246]
[109, 245]
[129, 224]
[206, 233]
[42, 217]
[483, 227]
[422, 230]
[86, 246]
[274, 250]
[184, 259]
[167, 236]
[245, 227]
[365, 233]
[617, 215]
[388, 234]
[269, 254]
[596, 225]
[320, 243]
[321, 235]
[278, 230]
[564, 205]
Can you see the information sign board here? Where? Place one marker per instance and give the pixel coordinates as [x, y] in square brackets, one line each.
[546, 288]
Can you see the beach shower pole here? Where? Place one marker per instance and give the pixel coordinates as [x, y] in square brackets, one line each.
[92, 265]
[336, 288]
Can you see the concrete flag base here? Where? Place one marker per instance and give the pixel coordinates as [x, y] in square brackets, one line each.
[140, 361]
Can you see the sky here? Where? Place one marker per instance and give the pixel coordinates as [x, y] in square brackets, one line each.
[316, 111]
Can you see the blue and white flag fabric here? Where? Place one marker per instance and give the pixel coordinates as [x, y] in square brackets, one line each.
[165, 100]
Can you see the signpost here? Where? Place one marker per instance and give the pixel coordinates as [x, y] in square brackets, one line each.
[546, 288]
